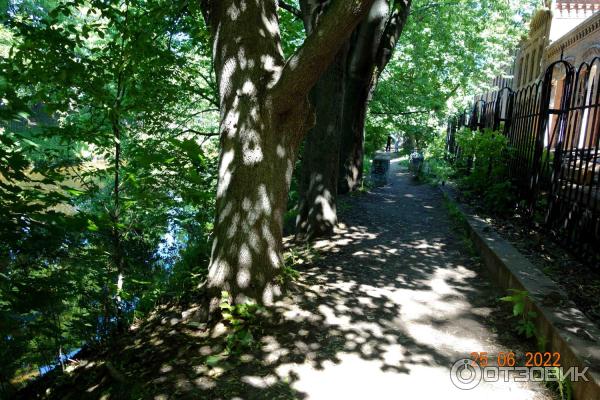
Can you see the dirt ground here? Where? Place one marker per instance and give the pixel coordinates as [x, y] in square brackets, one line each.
[579, 279]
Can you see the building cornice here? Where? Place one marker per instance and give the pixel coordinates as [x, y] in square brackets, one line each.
[588, 26]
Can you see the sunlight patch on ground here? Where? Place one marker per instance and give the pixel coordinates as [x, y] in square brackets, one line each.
[356, 378]
[377, 358]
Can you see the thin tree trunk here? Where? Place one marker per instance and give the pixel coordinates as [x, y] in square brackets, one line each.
[356, 98]
[317, 215]
[118, 259]
[372, 48]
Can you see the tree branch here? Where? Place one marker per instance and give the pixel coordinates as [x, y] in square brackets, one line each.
[422, 11]
[290, 8]
[365, 41]
[401, 113]
[429, 6]
[392, 32]
[303, 69]
[199, 133]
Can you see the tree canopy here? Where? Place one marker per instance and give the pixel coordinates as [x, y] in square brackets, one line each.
[449, 51]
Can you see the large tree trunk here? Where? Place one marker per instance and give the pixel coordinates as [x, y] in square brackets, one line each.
[361, 67]
[254, 178]
[317, 214]
[257, 153]
[264, 114]
[372, 46]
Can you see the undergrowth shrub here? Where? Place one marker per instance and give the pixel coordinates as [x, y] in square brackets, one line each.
[437, 166]
[483, 167]
[243, 320]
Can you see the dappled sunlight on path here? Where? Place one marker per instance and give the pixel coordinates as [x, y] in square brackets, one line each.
[395, 300]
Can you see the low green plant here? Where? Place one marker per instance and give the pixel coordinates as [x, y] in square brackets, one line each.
[563, 385]
[500, 196]
[243, 320]
[293, 258]
[342, 205]
[525, 325]
[437, 168]
[288, 274]
[456, 216]
[461, 225]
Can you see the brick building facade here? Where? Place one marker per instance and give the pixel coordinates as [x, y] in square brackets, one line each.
[570, 29]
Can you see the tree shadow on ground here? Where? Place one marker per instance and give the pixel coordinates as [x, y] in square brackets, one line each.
[395, 299]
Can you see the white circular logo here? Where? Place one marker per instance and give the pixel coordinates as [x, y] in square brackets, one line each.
[464, 375]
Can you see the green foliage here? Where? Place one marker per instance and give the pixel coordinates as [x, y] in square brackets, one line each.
[483, 164]
[292, 259]
[375, 139]
[447, 52]
[288, 274]
[108, 155]
[243, 319]
[437, 166]
[563, 385]
[456, 215]
[292, 29]
[526, 323]
[97, 95]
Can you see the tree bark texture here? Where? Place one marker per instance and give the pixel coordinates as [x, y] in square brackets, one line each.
[341, 99]
[317, 215]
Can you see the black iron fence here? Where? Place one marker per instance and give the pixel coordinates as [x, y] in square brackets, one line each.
[553, 131]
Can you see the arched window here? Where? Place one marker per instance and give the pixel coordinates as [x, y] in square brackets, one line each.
[520, 73]
[525, 80]
[532, 66]
[591, 52]
[556, 95]
[540, 55]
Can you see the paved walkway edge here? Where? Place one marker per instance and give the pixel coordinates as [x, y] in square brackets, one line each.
[563, 326]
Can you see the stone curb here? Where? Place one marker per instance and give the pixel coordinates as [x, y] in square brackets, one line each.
[565, 328]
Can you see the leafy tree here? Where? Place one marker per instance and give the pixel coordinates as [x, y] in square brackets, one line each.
[448, 52]
[106, 169]
[117, 121]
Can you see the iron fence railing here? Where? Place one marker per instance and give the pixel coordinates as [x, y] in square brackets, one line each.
[553, 132]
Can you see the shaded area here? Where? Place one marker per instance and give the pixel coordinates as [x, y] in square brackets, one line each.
[394, 300]
[580, 280]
